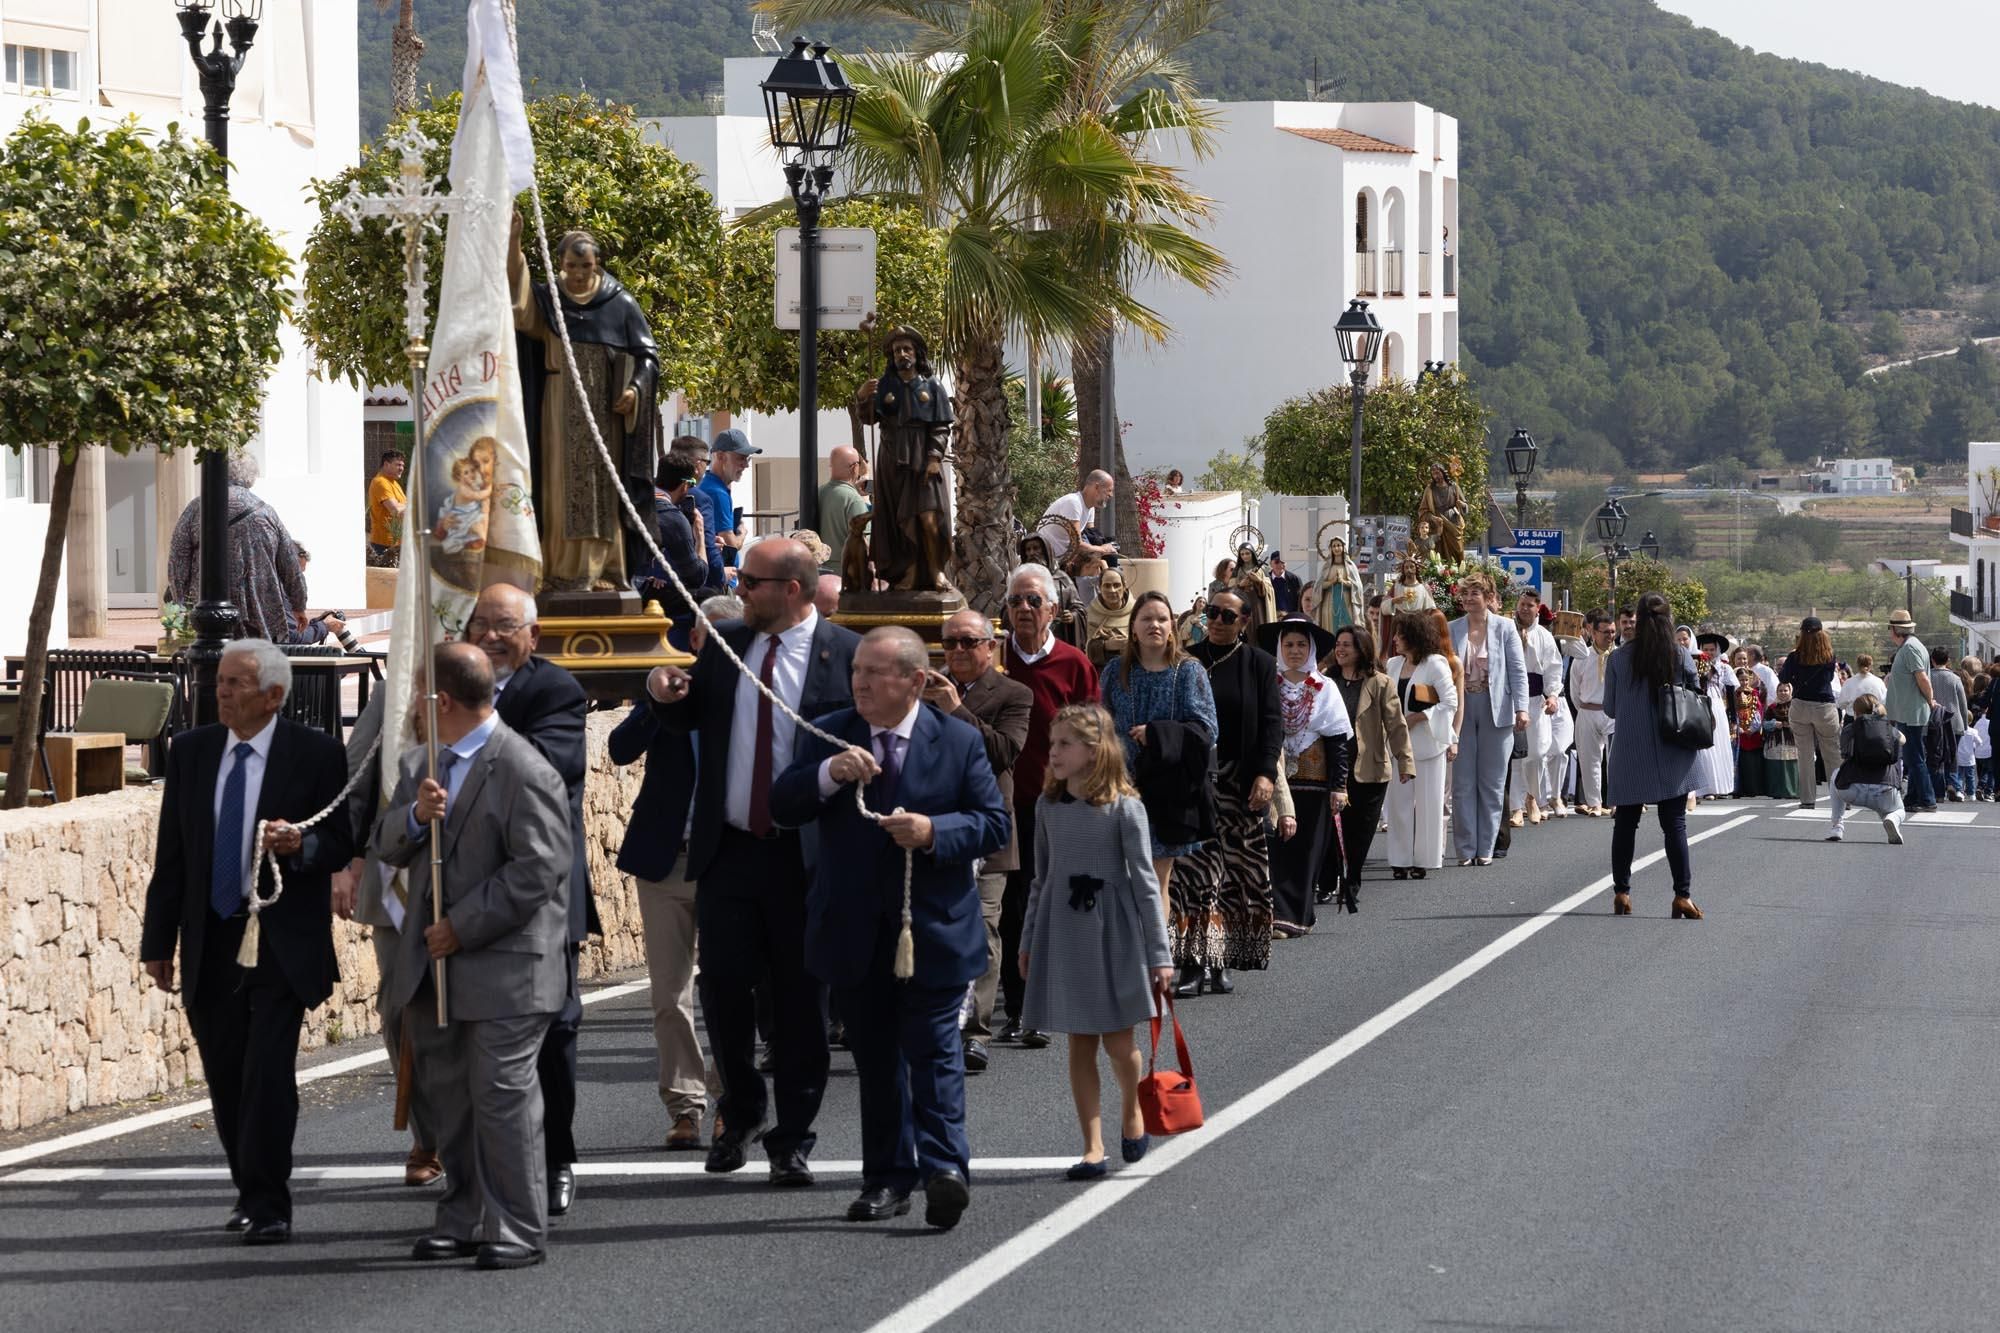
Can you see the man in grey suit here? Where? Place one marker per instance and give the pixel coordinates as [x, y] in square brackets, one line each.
[506, 858]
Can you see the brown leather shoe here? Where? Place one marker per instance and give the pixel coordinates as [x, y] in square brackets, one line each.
[1684, 909]
[1621, 904]
[685, 1136]
[422, 1167]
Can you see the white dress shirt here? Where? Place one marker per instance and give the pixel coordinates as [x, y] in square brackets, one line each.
[253, 786]
[1029, 659]
[1543, 658]
[902, 731]
[788, 682]
[1586, 678]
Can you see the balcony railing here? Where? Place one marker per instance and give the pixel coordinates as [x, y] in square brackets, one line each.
[1451, 275]
[1392, 273]
[1965, 608]
[1962, 524]
[1364, 273]
[1423, 273]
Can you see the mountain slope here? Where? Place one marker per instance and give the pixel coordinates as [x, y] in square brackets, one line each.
[1670, 245]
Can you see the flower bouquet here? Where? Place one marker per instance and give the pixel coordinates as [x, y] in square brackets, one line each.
[1442, 577]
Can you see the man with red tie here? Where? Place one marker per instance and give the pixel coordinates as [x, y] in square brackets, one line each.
[750, 875]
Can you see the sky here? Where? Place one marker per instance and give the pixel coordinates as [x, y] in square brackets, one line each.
[1942, 46]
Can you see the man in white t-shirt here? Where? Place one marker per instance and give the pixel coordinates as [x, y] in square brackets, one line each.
[1080, 507]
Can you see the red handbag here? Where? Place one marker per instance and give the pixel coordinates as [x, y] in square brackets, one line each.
[1169, 1100]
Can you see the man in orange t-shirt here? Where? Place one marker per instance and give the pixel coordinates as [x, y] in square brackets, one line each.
[386, 503]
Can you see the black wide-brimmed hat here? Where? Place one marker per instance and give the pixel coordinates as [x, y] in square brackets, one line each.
[1710, 639]
[1269, 635]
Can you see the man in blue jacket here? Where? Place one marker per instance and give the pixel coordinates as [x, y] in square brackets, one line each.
[928, 776]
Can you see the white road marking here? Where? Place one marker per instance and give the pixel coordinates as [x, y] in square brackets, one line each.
[962, 1287]
[688, 1165]
[166, 1115]
[1936, 819]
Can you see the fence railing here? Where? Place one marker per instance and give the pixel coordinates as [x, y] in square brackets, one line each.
[1423, 273]
[1392, 273]
[1364, 273]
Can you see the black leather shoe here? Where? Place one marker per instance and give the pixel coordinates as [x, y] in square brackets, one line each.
[562, 1190]
[945, 1196]
[1219, 982]
[1034, 1038]
[789, 1170]
[238, 1220]
[976, 1058]
[878, 1205]
[1011, 1032]
[1188, 985]
[725, 1151]
[504, 1254]
[268, 1233]
[443, 1247]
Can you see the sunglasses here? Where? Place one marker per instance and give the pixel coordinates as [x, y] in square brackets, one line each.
[1225, 617]
[1031, 600]
[966, 642]
[752, 582]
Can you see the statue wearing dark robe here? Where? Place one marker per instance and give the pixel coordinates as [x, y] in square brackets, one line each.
[909, 538]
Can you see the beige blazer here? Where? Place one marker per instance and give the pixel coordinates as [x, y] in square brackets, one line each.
[1381, 734]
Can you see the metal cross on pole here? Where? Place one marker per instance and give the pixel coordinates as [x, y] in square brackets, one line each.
[414, 206]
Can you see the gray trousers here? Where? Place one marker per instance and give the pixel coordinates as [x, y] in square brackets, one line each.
[1815, 724]
[1479, 777]
[477, 1084]
[388, 944]
[992, 887]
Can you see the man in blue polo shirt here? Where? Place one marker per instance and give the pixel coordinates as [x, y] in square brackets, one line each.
[729, 459]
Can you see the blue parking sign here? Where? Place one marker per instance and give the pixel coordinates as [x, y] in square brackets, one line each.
[1524, 569]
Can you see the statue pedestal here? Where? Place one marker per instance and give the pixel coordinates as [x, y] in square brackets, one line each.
[924, 612]
[610, 653]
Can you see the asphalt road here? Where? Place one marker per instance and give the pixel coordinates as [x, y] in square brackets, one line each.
[1457, 1110]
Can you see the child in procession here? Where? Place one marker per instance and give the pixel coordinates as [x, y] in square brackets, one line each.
[1094, 945]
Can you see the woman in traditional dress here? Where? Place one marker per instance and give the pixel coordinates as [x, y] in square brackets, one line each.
[1429, 701]
[1222, 893]
[1317, 750]
[1340, 595]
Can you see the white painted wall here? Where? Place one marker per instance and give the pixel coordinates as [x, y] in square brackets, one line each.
[1197, 536]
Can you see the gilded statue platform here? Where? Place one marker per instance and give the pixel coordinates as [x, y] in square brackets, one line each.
[611, 654]
[924, 612]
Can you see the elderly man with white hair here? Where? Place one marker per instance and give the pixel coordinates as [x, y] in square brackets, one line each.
[247, 990]
[1057, 675]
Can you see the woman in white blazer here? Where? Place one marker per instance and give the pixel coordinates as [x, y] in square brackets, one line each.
[1490, 655]
[1414, 810]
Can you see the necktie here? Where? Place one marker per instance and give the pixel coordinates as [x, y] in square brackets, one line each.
[888, 747]
[225, 885]
[760, 764]
[447, 761]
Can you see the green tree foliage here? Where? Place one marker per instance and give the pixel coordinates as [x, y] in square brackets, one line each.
[1236, 470]
[1043, 466]
[658, 229]
[1586, 578]
[757, 363]
[1404, 429]
[156, 303]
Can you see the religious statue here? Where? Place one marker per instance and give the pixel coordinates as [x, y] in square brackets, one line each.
[910, 536]
[1340, 596]
[1409, 592]
[1444, 504]
[1422, 542]
[585, 541]
[1253, 585]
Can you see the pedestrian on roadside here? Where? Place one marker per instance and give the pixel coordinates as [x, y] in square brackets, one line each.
[1493, 715]
[1948, 710]
[1094, 945]
[1646, 768]
[1869, 775]
[1781, 749]
[1808, 669]
[1909, 707]
[1863, 681]
[1749, 733]
[1381, 750]
[1428, 695]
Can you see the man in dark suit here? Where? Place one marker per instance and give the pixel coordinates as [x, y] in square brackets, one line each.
[222, 781]
[545, 705]
[974, 693]
[932, 772]
[749, 872]
[497, 808]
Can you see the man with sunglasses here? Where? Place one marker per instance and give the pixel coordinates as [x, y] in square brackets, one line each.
[999, 708]
[1058, 675]
[751, 875]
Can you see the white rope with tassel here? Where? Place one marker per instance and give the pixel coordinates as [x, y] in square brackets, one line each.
[246, 953]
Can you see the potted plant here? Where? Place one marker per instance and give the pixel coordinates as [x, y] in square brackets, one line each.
[176, 629]
[1989, 491]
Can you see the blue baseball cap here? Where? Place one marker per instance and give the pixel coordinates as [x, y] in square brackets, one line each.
[734, 441]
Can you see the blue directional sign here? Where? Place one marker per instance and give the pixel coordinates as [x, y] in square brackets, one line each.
[1546, 541]
[1524, 568]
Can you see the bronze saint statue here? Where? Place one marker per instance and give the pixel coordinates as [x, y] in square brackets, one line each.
[1444, 505]
[909, 538]
[586, 542]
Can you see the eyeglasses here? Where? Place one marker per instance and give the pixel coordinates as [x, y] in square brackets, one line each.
[752, 582]
[479, 627]
[966, 641]
[1225, 617]
[1031, 600]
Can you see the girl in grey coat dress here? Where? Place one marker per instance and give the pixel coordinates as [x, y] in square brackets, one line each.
[1094, 945]
[1645, 769]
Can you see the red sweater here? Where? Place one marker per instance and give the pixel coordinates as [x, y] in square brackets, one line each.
[1062, 678]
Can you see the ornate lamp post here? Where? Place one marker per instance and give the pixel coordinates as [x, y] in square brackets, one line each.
[809, 104]
[1360, 337]
[1649, 545]
[215, 619]
[1521, 453]
[1610, 520]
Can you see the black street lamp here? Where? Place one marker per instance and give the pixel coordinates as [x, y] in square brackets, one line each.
[1521, 453]
[809, 104]
[1360, 337]
[215, 619]
[1611, 519]
[1649, 545]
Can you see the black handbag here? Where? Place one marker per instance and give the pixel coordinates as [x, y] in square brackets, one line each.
[1684, 717]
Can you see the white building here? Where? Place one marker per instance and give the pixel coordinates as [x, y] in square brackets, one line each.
[1977, 528]
[1315, 203]
[295, 116]
[1860, 476]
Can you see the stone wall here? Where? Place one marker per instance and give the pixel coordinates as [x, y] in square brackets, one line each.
[80, 1026]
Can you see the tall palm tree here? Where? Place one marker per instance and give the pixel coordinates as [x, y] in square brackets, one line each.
[406, 52]
[997, 123]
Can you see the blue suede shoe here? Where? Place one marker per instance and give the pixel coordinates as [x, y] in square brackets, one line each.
[1088, 1170]
[1134, 1149]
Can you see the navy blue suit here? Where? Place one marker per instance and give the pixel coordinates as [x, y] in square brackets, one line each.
[903, 1034]
[654, 834]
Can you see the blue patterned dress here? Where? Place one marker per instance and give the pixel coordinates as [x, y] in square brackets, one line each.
[1180, 694]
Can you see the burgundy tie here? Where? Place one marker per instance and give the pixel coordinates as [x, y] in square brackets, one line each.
[760, 766]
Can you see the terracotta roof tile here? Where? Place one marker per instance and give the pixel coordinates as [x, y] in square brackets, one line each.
[1348, 139]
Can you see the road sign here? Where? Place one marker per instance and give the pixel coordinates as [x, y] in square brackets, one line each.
[1524, 568]
[1363, 562]
[1545, 541]
[846, 277]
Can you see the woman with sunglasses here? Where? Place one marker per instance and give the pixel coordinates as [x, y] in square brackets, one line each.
[1222, 893]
